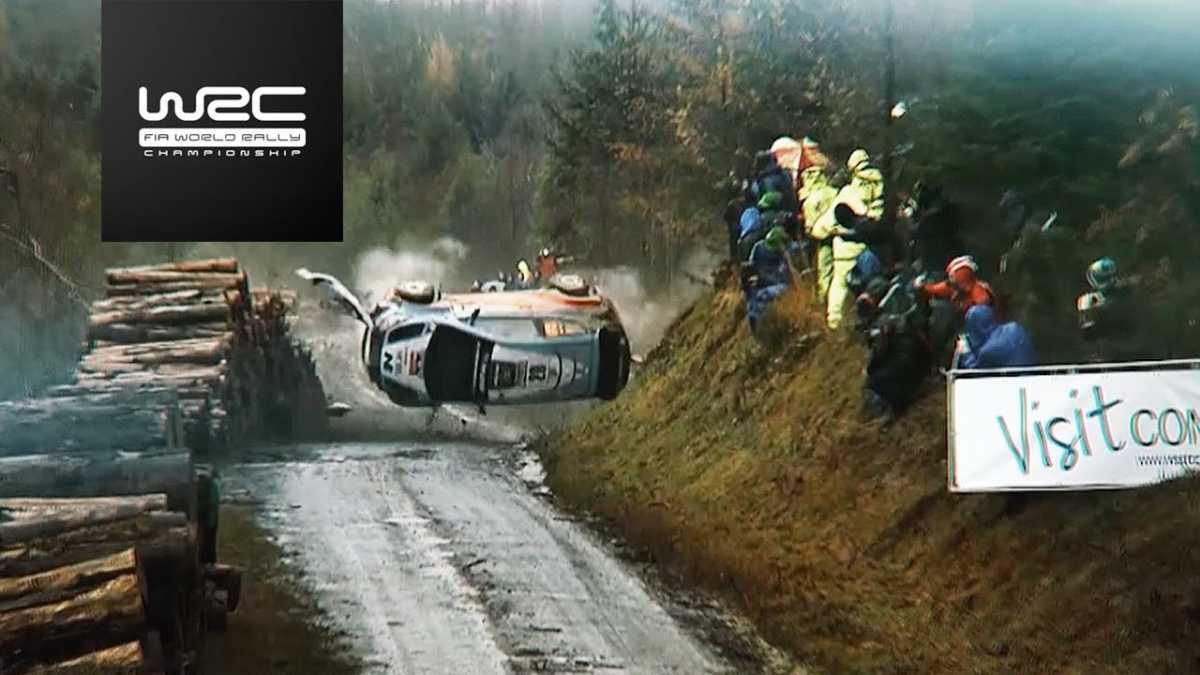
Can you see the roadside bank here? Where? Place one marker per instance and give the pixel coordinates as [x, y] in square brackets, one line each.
[748, 469]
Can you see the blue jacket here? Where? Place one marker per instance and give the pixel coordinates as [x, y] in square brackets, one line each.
[770, 266]
[993, 345]
[775, 179]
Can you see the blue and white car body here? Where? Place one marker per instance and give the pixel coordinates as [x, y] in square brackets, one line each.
[424, 348]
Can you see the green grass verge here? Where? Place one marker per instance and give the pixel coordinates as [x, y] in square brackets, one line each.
[749, 469]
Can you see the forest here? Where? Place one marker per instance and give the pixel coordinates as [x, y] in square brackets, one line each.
[608, 129]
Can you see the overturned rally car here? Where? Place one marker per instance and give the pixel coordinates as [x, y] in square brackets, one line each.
[424, 348]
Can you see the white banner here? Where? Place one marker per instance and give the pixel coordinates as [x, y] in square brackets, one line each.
[1089, 427]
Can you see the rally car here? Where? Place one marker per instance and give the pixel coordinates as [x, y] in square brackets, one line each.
[424, 348]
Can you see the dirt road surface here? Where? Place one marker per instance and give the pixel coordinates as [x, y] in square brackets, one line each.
[448, 558]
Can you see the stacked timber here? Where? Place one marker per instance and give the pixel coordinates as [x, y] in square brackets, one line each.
[100, 585]
[199, 328]
[108, 559]
[102, 537]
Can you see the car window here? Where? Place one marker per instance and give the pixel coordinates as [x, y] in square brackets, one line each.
[559, 327]
[405, 332]
[508, 328]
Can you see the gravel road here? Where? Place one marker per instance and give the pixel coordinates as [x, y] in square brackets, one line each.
[449, 558]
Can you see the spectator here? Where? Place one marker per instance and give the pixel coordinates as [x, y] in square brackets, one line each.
[1105, 313]
[874, 233]
[817, 197]
[994, 345]
[864, 195]
[547, 264]
[788, 153]
[961, 287]
[770, 177]
[754, 222]
[734, 210]
[769, 273]
[935, 238]
[524, 278]
[900, 355]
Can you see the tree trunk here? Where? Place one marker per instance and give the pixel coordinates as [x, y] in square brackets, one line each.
[203, 352]
[127, 302]
[118, 277]
[132, 334]
[91, 387]
[210, 282]
[101, 474]
[112, 612]
[31, 519]
[170, 314]
[125, 659]
[132, 421]
[157, 544]
[60, 584]
[219, 265]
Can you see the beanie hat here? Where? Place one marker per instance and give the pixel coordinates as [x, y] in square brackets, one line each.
[770, 200]
[776, 239]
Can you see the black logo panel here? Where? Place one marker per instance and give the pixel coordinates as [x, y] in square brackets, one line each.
[222, 120]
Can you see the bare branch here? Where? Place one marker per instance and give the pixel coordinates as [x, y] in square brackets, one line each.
[33, 248]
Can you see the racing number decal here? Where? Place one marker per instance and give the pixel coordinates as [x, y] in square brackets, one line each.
[414, 363]
[387, 362]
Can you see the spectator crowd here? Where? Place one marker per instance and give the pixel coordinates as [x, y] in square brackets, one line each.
[906, 284]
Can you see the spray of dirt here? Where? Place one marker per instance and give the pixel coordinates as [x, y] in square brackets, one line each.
[647, 315]
[441, 261]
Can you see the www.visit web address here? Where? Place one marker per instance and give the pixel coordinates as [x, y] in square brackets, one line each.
[1169, 460]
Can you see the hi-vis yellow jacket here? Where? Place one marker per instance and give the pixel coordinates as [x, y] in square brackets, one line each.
[864, 195]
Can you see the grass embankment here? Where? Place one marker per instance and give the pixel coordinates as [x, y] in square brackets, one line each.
[276, 628]
[748, 468]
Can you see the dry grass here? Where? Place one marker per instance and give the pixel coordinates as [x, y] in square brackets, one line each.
[749, 469]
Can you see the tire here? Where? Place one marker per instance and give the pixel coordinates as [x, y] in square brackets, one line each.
[570, 284]
[615, 363]
[418, 292]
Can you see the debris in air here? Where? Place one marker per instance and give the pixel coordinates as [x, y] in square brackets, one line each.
[338, 409]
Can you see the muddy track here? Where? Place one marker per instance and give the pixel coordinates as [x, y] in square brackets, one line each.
[449, 558]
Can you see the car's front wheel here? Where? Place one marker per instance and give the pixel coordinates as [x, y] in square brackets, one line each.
[570, 284]
[419, 292]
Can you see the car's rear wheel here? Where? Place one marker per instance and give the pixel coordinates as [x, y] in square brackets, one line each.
[419, 292]
[570, 284]
[614, 363]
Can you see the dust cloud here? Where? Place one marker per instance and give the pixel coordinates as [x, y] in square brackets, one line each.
[439, 262]
[648, 314]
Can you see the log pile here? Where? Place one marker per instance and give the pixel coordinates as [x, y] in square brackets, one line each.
[107, 557]
[108, 560]
[199, 328]
[103, 585]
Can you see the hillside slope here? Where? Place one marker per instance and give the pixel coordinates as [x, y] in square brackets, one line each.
[748, 469]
